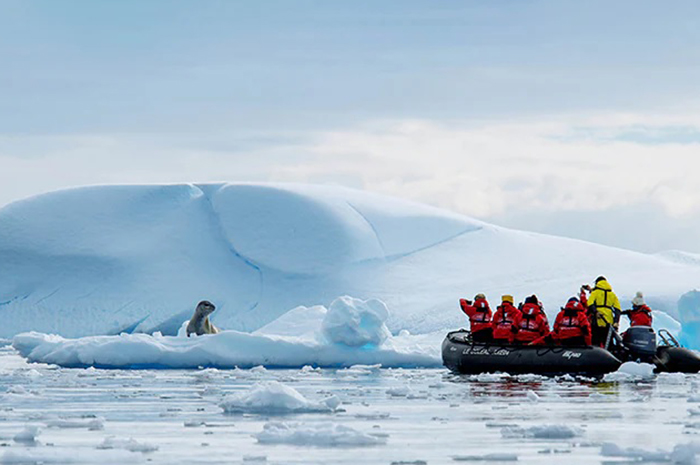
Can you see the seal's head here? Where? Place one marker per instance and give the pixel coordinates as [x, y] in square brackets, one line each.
[205, 308]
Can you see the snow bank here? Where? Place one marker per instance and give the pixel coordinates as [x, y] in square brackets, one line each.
[320, 435]
[277, 399]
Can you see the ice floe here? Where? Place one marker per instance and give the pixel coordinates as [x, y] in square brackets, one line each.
[316, 434]
[350, 326]
[275, 398]
[542, 432]
[631, 371]
[129, 444]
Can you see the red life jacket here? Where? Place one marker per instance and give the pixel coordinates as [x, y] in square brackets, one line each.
[505, 322]
[640, 316]
[572, 322]
[532, 324]
[479, 314]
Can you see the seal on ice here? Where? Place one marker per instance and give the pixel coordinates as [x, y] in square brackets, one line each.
[200, 324]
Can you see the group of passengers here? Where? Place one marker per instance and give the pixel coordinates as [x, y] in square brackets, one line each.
[584, 320]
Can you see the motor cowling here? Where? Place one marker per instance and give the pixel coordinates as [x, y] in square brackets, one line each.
[640, 340]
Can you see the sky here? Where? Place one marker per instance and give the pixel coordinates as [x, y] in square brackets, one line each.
[573, 118]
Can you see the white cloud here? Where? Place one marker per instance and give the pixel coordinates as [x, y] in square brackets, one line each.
[488, 169]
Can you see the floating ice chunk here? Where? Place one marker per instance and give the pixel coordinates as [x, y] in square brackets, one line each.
[274, 397]
[130, 444]
[356, 323]
[92, 424]
[631, 371]
[532, 396]
[402, 391]
[490, 377]
[308, 369]
[321, 435]
[18, 390]
[610, 449]
[542, 432]
[684, 454]
[359, 370]
[255, 458]
[28, 435]
[193, 423]
[530, 378]
[671, 378]
[495, 457]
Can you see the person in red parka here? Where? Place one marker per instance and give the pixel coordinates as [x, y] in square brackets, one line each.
[505, 321]
[479, 314]
[571, 327]
[640, 315]
[532, 325]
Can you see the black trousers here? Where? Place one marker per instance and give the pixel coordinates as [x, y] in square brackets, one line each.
[484, 335]
[599, 334]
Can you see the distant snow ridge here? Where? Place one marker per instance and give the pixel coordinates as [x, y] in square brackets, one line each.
[277, 399]
[320, 435]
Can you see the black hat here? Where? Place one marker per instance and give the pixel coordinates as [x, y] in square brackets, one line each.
[599, 279]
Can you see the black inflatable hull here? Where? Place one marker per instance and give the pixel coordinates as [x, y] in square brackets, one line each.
[465, 357]
[676, 359]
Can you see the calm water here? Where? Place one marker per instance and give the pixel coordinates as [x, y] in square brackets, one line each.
[427, 416]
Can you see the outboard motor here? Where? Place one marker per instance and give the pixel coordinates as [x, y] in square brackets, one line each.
[641, 342]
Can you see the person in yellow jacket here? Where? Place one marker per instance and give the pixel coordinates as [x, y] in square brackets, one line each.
[603, 309]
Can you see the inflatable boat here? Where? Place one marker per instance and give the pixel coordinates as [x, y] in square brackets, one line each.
[461, 355]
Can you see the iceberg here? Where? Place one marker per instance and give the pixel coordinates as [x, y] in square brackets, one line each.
[88, 272]
[689, 315]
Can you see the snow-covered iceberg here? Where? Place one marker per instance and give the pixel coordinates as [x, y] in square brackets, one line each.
[107, 260]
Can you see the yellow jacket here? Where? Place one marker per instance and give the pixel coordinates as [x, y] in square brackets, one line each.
[604, 300]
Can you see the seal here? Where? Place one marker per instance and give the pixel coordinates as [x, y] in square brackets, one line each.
[200, 324]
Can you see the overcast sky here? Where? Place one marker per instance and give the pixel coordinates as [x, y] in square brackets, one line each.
[575, 118]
